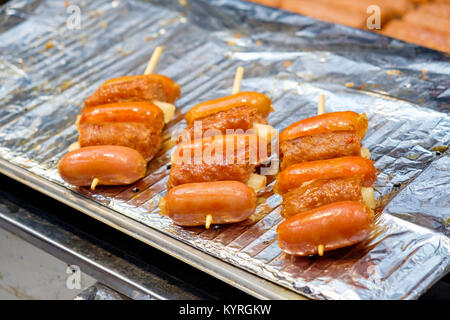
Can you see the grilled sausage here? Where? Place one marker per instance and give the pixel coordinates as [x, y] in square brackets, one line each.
[111, 165]
[225, 201]
[135, 88]
[230, 148]
[321, 146]
[298, 174]
[238, 112]
[145, 112]
[229, 157]
[257, 100]
[321, 192]
[322, 137]
[325, 123]
[325, 228]
[137, 125]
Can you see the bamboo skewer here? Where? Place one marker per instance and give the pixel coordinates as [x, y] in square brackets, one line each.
[237, 80]
[167, 108]
[94, 183]
[321, 106]
[208, 221]
[320, 249]
[153, 60]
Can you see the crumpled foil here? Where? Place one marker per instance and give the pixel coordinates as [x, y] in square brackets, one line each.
[48, 67]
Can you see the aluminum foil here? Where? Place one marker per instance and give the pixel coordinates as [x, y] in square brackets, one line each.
[48, 67]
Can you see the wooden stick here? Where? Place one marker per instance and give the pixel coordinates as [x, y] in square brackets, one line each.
[237, 80]
[153, 60]
[320, 249]
[321, 107]
[208, 221]
[94, 183]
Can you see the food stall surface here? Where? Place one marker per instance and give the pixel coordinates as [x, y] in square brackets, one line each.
[401, 87]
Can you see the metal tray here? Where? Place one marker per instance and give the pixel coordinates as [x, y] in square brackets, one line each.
[47, 68]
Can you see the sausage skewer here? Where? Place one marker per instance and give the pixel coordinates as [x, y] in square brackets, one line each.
[321, 106]
[256, 181]
[188, 171]
[135, 124]
[164, 107]
[181, 173]
[128, 120]
[327, 203]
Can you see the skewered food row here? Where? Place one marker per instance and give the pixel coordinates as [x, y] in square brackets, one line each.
[325, 184]
[120, 129]
[212, 179]
[219, 180]
[421, 22]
